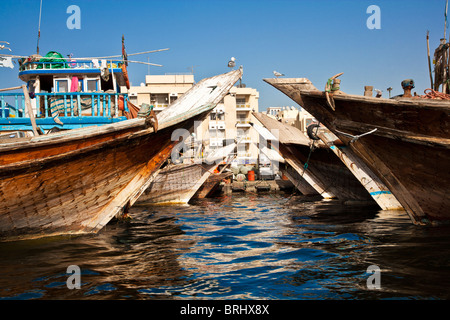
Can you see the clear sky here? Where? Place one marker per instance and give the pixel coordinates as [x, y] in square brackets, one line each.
[300, 38]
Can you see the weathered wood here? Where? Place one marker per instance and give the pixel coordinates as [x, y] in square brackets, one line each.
[176, 183]
[297, 180]
[318, 165]
[30, 109]
[10, 89]
[370, 181]
[211, 184]
[74, 182]
[409, 152]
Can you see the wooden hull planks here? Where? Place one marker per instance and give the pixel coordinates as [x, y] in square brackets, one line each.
[409, 151]
[176, 183]
[76, 181]
[320, 167]
[211, 185]
[379, 192]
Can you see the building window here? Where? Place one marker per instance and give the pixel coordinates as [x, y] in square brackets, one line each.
[240, 100]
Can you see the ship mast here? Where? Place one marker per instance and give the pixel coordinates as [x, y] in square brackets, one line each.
[39, 27]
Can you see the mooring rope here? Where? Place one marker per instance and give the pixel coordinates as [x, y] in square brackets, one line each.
[433, 94]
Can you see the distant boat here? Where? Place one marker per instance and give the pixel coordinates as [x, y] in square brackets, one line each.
[320, 167]
[212, 185]
[177, 183]
[404, 141]
[76, 181]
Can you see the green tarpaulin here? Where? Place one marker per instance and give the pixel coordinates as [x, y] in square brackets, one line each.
[56, 59]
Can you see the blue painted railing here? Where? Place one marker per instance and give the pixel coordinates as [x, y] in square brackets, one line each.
[70, 104]
[74, 109]
[69, 64]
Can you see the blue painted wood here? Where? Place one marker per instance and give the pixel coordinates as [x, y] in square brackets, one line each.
[7, 124]
[100, 104]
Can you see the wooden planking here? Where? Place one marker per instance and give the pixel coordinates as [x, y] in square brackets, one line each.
[407, 152]
[298, 181]
[176, 183]
[286, 133]
[79, 189]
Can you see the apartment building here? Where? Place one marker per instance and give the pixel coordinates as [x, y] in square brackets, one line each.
[229, 121]
[298, 118]
[161, 90]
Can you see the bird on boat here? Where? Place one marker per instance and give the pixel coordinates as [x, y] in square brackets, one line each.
[277, 74]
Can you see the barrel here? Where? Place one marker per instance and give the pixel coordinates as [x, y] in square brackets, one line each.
[251, 175]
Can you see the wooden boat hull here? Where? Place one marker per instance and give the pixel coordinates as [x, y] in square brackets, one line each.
[332, 176]
[176, 184]
[77, 191]
[379, 192]
[211, 185]
[319, 166]
[76, 181]
[409, 151]
[298, 181]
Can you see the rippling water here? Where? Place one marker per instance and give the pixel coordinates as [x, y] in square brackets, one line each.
[253, 247]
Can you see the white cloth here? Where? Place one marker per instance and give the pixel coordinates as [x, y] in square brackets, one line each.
[6, 62]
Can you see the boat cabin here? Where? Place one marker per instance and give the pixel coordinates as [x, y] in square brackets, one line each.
[66, 94]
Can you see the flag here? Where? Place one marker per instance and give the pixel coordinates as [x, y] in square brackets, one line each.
[446, 9]
[6, 62]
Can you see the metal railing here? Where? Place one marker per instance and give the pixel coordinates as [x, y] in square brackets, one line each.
[71, 104]
[69, 64]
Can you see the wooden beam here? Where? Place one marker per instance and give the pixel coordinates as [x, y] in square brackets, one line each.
[30, 109]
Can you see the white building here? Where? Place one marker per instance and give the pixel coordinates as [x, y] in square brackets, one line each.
[228, 121]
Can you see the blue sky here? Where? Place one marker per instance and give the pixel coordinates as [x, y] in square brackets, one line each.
[300, 38]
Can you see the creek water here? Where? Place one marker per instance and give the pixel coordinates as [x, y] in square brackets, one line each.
[261, 247]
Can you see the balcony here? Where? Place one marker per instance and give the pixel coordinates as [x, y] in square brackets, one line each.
[243, 107]
[75, 110]
[216, 142]
[244, 139]
[160, 106]
[243, 124]
[218, 125]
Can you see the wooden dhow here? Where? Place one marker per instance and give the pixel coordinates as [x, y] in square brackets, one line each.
[76, 181]
[274, 156]
[177, 183]
[404, 141]
[317, 164]
[379, 192]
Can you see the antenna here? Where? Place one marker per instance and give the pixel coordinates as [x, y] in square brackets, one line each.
[445, 15]
[39, 28]
[192, 69]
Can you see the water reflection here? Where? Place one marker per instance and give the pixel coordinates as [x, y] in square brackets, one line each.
[253, 247]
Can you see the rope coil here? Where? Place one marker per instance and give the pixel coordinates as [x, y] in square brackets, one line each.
[433, 94]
